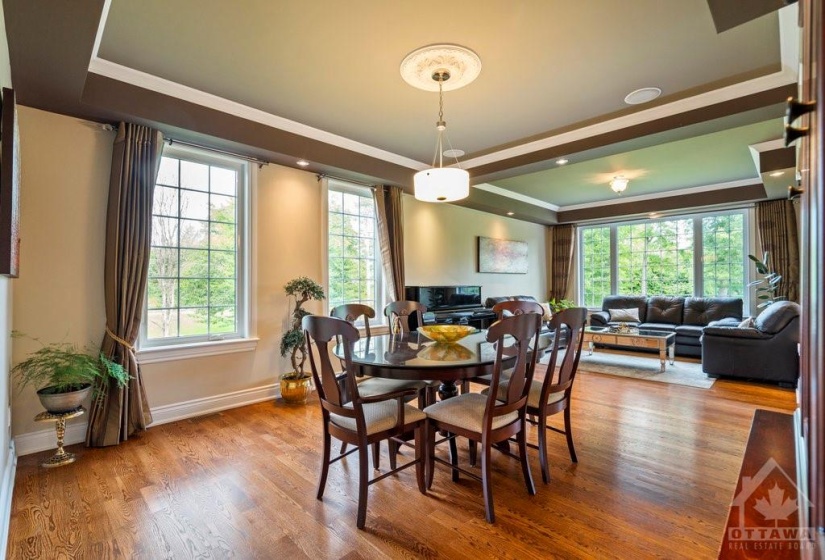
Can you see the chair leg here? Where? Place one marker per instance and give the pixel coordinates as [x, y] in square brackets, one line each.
[542, 437]
[525, 464]
[343, 447]
[473, 448]
[454, 456]
[322, 479]
[465, 386]
[486, 486]
[568, 432]
[363, 485]
[420, 458]
[393, 450]
[376, 455]
[429, 434]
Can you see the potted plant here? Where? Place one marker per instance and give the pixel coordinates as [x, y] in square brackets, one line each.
[65, 374]
[768, 284]
[557, 305]
[296, 384]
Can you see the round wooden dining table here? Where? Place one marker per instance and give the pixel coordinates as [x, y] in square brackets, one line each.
[413, 356]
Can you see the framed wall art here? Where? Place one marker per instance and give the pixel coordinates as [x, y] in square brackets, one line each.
[9, 187]
[502, 256]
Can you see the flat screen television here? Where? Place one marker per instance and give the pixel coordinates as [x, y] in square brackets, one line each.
[438, 298]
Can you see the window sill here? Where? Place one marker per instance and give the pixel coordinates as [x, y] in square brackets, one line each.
[199, 350]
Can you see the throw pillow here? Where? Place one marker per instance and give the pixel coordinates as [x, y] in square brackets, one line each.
[624, 315]
[747, 323]
[548, 313]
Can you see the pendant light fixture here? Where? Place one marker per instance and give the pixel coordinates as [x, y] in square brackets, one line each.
[619, 184]
[424, 68]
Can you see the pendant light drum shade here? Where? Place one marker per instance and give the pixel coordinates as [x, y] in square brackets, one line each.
[441, 184]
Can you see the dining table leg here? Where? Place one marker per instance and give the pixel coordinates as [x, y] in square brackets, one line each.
[447, 390]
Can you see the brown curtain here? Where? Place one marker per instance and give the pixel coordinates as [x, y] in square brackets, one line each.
[776, 222]
[118, 413]
[391, 237]
[564, 243]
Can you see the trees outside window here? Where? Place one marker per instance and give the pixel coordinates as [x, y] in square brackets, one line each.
[194, 290]
[682, 256]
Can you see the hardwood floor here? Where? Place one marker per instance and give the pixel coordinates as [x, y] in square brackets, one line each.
[657, 468]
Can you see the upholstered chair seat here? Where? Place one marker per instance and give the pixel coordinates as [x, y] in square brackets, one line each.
[378, 416]
[467, 411]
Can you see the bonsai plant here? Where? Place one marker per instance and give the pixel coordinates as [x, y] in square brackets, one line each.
[295, 384]
[557, 305]
[768, 284]
[66, 373]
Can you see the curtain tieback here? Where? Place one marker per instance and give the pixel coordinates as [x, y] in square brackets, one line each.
[116, 338]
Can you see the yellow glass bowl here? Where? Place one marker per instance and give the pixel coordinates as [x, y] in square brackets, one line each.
[445, 352]
[446, 333]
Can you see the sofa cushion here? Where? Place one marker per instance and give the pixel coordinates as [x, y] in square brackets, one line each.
[690, 331]
[663, 309]
[776, 316]
[701, 311]
[624, 315]
[626, 302]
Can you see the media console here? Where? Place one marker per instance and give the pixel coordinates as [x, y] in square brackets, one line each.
[457, 305]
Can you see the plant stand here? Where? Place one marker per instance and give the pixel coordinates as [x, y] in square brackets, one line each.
[61, 457]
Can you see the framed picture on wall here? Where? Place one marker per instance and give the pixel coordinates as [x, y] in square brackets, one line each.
[9, 187]
[502, 256]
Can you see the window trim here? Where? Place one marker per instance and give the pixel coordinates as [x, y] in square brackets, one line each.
[696, 217]
[243, 339]
[327, 185]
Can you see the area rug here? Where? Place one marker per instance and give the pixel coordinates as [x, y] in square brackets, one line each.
[640, 366]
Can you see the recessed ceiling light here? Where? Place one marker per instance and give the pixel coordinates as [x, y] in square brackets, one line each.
[561, 161]
[302, 162]
[453, 153]
[510, 213]
[777, 173]
[642, 95]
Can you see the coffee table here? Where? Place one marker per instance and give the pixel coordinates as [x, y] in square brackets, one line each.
[633, 338]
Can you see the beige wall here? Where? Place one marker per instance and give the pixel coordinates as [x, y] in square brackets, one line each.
[440, 245]
[59, 295]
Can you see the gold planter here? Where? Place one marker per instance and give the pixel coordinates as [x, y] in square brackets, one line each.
[296, 390]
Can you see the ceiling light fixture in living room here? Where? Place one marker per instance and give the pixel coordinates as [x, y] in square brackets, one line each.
[619, 184]
[430, 68]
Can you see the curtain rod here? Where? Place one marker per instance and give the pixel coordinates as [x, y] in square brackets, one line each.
[343, 179]
[260, 162]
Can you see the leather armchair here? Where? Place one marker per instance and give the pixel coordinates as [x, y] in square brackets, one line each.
[765, 352]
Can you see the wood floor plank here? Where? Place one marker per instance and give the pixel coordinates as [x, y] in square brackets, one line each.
[658, 466]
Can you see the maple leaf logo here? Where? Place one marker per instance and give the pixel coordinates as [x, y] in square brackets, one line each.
[776, 507]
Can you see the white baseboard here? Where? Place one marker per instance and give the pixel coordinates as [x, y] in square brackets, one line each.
[42, 440]
[6, 490]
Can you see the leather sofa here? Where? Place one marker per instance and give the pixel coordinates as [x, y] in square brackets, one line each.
[685, 316]
[768, 351]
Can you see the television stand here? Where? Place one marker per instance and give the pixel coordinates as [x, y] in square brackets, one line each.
[479, 317]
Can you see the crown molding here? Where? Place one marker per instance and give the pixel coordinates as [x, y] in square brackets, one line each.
[516, 196]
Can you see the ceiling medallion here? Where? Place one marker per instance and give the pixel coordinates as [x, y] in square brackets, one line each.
[460, 63]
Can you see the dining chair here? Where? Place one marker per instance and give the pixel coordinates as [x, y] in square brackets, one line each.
[364, 420]
[368, 386]
[399, 312]
[495, 417]
[552, 395]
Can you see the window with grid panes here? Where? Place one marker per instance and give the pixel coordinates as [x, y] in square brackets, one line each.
[354, 265]
[194, 290]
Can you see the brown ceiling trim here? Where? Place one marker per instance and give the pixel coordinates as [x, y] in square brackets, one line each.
[728, 14]
[747, 193]
[496, 204]
[776, 160]
[702, 114]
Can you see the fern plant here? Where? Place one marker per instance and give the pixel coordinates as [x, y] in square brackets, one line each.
[62, 367]
[768, 284]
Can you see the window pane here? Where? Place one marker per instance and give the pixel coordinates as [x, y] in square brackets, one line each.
[194, 205]
[194, 234]
[723, 255]
[168, 172]
[163, 293]
[224, 181]
[221, 292]
[223, 236]
[221, 264]
[165, 201]
[194, 176]
[193, 292]
[193, 322]
[162, 323]
[194, 263]
[596, 265]
[164, 232]
[222, 208]
[221, 320]
[163, 262]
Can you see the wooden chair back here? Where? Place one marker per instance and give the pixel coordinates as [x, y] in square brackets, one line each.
[516, 308]
[351, 312]
[513, 337]
[320, 331]
[399, 312]
[573, 321]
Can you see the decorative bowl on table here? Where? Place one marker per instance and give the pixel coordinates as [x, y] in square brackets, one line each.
[445, 352]
[446, 333]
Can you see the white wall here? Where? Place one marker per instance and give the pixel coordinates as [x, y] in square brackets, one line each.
[59, 296]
